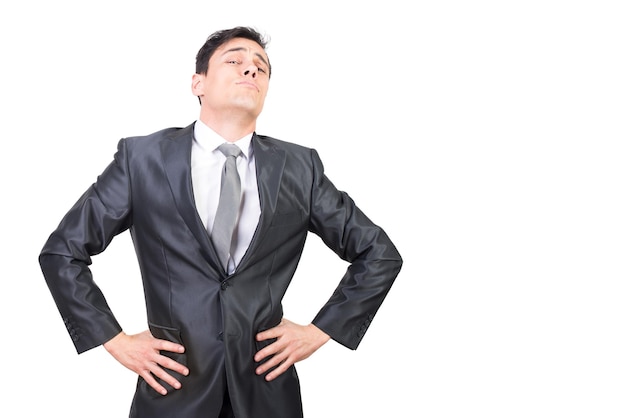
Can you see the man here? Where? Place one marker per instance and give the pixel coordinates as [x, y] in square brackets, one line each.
[217, 344]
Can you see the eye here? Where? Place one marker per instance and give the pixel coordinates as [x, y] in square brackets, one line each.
[232, 62]
[261, 70]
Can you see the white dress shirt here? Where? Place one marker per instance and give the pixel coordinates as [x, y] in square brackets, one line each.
[206, 173]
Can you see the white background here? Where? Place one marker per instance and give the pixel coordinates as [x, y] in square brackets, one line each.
[504, 120]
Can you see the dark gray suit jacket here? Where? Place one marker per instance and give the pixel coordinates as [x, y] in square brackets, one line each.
[189, 297]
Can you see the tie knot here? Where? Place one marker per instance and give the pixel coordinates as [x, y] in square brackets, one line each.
[229, 150]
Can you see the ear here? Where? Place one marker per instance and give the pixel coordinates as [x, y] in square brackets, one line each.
[197, 84]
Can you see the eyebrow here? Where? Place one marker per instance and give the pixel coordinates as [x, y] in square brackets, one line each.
[241, 48]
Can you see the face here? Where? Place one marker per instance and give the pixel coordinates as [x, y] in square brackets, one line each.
[237, 79]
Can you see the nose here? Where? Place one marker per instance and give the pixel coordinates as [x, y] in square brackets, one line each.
[251, 71]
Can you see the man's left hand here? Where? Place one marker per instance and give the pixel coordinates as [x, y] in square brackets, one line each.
[293, 343]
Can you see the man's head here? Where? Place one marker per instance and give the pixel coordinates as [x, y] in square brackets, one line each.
[221, 37]
[232, 75]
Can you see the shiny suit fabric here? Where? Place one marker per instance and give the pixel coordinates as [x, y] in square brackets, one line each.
[189, 298]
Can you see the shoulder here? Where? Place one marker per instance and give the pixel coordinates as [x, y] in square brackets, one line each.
[156, 144]
[279, 144]
[156, 141]
[172, 133]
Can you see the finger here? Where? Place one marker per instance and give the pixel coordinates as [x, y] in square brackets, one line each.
[273, 332]
[152, 382]
[268, 351]
[267, 334]
[171, 364]
[164, 345]
[271, 362]
[282, 368]
[166, 377]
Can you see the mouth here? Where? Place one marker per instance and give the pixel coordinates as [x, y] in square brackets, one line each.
[248, 85]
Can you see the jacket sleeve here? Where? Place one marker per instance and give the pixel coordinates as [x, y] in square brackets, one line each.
[374, 260]
[101, 213]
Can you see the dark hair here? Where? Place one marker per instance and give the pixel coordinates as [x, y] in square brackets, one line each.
[219, 38]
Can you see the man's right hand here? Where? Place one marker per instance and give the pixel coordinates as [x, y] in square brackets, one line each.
[141, 354]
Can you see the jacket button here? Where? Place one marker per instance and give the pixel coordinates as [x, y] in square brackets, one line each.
[224, 285]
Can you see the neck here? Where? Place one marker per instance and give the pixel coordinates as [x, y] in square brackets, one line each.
[231, 127]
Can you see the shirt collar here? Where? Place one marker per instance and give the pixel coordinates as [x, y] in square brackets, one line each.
[209, 140]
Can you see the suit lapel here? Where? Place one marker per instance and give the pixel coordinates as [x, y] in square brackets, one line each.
[270, 163]
[176, 154]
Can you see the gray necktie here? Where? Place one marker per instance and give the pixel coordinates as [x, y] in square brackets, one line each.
[228, 206]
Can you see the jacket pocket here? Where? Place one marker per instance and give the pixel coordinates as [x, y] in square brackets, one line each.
[165, 333]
